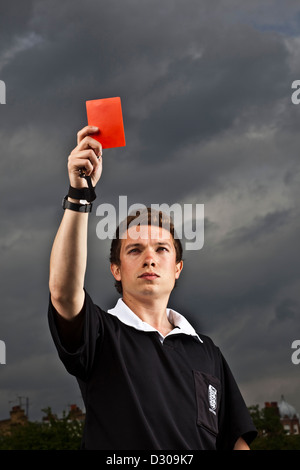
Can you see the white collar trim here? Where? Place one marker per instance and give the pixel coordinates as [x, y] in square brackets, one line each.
[127, 316]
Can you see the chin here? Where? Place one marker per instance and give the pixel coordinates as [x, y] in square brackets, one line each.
[148, 291]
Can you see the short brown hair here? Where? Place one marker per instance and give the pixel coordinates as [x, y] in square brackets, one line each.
[146, 216]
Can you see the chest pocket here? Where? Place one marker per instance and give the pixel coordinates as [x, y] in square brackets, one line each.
[208, 395]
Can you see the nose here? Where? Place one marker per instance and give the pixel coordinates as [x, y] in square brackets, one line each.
[148, 263]
[149, 259]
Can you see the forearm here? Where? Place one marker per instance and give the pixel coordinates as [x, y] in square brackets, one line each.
[68, 263]
[69, 252]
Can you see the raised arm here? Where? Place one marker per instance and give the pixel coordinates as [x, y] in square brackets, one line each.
[69, 252]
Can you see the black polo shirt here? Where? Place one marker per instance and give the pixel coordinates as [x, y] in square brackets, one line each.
[141, 393]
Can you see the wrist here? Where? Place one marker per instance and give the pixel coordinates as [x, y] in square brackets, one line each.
[87, 193]
[75, 201]
[79, 206]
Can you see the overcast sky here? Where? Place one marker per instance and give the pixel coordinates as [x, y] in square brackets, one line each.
[206, 97]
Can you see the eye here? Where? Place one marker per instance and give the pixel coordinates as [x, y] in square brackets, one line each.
[133, 250]
[162, 248]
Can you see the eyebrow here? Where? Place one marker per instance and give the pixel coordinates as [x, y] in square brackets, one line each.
[140, 245]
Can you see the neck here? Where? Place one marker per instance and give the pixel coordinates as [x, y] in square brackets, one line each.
[151, 311]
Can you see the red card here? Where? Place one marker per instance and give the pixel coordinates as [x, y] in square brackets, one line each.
[107, 115]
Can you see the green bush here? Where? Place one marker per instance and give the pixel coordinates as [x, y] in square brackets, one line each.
[271, 435]
[56, 434]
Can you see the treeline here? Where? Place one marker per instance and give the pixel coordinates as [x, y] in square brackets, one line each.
[65, 433]
[51, 434]
[271, 434]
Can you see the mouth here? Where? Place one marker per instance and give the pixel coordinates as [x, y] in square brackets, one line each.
[149, 276]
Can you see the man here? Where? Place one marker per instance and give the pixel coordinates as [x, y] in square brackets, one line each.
[148, 380]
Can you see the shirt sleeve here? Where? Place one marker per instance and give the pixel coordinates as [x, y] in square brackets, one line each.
[76, 340]
[235, 418]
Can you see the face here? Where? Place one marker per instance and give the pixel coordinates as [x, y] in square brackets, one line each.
[148, 262]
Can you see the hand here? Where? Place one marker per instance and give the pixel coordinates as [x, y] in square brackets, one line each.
[86, 157]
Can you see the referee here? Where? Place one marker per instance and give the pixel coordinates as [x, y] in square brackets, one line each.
[149, 381]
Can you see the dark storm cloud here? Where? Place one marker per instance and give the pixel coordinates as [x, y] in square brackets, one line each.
[287, 309]
[208, 119]
[217, 88]
[201, 95]
[14, 20]
[262, 227]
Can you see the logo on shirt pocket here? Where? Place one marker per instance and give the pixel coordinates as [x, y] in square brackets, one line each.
[212, 398]
[208, 391]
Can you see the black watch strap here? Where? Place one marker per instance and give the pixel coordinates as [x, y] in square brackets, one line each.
[76, 207]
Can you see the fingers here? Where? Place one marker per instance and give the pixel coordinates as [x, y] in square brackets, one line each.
[85, 160]
[89, 142]
[86, 157]
[88, 151]
[86, 131]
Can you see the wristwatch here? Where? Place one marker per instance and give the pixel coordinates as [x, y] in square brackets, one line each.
[85, 207]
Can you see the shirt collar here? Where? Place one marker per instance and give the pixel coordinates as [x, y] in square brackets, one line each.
[127, 316]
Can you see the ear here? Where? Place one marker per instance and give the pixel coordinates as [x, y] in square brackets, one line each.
[178, 269]
[115, 269]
